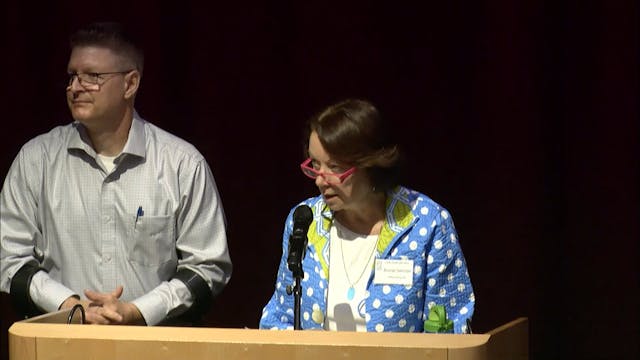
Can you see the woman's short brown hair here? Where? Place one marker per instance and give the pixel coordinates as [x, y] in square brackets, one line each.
[353, 132]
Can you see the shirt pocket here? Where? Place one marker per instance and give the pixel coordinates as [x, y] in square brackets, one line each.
[152, 242]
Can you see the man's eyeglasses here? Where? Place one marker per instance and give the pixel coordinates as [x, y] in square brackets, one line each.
[330, 178]
[93, 81]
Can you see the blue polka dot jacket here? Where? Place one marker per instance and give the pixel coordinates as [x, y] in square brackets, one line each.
[416, 228]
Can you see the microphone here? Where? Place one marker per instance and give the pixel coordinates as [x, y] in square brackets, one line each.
[302, 217]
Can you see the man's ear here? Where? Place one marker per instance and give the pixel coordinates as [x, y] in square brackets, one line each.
[131, 84]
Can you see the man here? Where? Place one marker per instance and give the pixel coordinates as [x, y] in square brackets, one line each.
[110, 211]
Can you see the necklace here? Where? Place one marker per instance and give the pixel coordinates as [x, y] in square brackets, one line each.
[351, 292]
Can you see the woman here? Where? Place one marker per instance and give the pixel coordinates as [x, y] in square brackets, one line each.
[379, 255]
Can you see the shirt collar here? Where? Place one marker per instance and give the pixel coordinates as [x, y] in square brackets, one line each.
[135, 144]
[397, 207]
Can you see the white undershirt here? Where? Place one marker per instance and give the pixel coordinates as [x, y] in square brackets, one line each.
[358, 251]
[107, 161]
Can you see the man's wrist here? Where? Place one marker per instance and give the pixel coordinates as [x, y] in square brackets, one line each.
[69, 302]
[134, 315]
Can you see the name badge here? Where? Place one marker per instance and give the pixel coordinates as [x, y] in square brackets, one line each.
[397, 272]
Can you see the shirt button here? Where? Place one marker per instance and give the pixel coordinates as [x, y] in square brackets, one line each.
[317, 316]
[107, 257]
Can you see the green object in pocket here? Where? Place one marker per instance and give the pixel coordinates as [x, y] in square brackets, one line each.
[437, 321]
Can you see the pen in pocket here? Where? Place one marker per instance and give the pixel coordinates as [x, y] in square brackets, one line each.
[138, 214]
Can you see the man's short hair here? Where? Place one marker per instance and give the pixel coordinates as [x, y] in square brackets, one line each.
[113, 36]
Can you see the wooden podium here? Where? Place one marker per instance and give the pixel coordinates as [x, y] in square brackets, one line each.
[49, 337]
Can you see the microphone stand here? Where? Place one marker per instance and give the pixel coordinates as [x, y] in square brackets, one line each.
[296, 269]
[302, 218]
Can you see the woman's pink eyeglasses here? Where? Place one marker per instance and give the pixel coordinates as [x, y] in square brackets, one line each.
[330, 178]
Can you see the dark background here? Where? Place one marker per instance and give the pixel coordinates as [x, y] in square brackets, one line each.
[520, 117]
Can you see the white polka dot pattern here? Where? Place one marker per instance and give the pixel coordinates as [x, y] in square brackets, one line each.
[376, 304]
[417, 270]
[440, 275]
